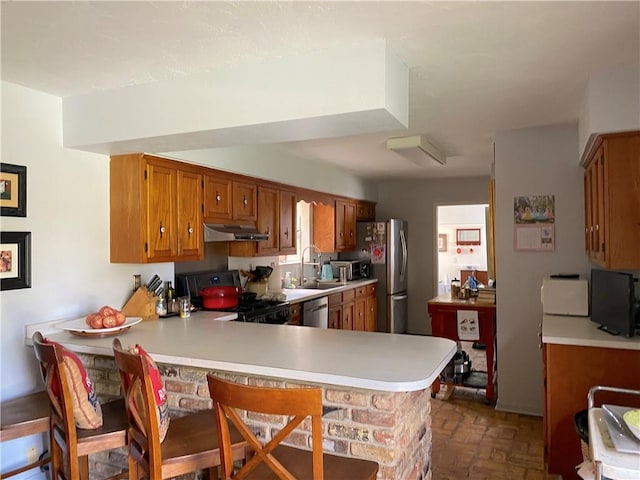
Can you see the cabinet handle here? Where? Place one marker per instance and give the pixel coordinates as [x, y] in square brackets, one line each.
[286, 232]
[162, 229]
[217, 198]
[244, 200]
[267, 231]
[597, 227]
[189, 230]
[341, 235]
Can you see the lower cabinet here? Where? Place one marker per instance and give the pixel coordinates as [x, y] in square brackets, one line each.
[569, 372]
[354, 309]
[294, 313]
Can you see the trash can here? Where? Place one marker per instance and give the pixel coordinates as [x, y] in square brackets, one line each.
[581, 424]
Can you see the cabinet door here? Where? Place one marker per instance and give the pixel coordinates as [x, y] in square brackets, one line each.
[288, 237]
[245, 197]
[295, 314]
[365, 211]
[268, 200]
[371, 320]
[161, 215]
[598, 206]
[345, 226]
[217, 197]
[189, 208]
[348, 314]
[335, 317]
[588, 224]
[359, 321]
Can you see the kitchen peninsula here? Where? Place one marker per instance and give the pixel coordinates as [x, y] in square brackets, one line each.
[376, 386]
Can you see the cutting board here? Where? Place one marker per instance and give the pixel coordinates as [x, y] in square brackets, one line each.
[623, 439]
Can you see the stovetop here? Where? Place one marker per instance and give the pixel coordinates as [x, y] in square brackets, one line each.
[254, 310]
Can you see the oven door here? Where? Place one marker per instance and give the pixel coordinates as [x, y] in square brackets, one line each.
[281, 316]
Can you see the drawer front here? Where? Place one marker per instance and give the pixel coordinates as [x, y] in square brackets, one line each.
[335, 299]
[361, 291]
[371, 289]
[349, 295]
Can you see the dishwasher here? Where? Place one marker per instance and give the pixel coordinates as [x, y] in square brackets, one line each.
[315, 313]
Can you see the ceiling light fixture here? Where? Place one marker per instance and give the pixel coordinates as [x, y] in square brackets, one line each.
[417, 149]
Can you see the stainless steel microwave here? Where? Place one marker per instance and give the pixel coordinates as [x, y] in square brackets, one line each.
[355, 268]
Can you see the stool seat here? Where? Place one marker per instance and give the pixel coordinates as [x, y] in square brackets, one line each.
[24, 416]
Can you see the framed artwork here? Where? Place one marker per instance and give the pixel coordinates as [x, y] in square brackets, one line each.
[15, 260]
[442, 242]
[467, 236]
[13, 190]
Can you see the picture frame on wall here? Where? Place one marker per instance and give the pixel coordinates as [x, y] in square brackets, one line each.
[15, 260]
[13, 190]
[442, 242]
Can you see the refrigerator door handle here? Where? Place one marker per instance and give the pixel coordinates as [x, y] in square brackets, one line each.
[405, 253]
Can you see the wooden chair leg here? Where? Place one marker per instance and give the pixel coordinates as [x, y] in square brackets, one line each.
[83, 467]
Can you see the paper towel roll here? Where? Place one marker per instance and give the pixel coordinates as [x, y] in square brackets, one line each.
[275, 282]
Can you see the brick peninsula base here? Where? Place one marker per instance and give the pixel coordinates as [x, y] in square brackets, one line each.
[391, 428]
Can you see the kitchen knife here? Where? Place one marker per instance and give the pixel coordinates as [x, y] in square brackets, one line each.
[159, 289]
[152, 281]
[154, 285]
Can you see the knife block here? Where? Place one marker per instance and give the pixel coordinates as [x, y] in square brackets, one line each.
[141, 304]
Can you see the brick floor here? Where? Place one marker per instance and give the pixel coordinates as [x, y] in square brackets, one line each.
[472, 440]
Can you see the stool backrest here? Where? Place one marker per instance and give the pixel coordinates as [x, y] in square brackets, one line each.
[62, 426]
[298, 403]
[143, 434]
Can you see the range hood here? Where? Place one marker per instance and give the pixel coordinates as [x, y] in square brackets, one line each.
[217, 232]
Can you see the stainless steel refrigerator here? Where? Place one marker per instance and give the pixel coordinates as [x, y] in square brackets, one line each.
[385, 245]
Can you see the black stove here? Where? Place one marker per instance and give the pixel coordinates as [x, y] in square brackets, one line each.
[248, 309]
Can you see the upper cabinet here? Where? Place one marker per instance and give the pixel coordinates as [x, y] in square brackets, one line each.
[365, 211]
[277, 218]
[334, 227]
[612, 201]
[245, 201]
[217, 198]
[155, 210]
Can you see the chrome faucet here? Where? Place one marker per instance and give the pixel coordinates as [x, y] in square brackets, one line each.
[301, 280]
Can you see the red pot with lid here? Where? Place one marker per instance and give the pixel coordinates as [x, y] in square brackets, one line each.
[216, 297]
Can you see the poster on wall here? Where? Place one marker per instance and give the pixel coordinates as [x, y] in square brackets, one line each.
[534, 223]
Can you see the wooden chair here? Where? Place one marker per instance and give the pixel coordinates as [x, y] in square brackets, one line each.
[70, 445]
[275, 461]
[22, 417]
[191, 442]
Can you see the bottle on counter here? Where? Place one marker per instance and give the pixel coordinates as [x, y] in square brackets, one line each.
[170, 297]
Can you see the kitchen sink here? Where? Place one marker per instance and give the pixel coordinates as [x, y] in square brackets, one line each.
[323, 285]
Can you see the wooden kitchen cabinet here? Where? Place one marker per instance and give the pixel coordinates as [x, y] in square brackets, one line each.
[155, 210]
[360, 314]
[345, 226]
[288, 241]
[371, 320]
[277, 218]
[334, 226]
[244, 201]
[217, 198]
[295, 314]
[335, 310]
[365, 211]
[569, 372]
[612, 196]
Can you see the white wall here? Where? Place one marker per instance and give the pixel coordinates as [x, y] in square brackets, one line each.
[270, 163]
[612, 103]
[68, 215]
[535, 161]
[415, 201]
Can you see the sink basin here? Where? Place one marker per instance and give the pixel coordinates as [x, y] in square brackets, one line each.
[323, 285]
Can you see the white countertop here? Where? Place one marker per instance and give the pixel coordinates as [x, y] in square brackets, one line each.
[581, 331]
[295, 295]
[369, 360]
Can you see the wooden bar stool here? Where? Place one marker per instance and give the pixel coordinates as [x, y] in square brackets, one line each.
[22, 417]
[191, 441]
[275, 461]
[70, 445]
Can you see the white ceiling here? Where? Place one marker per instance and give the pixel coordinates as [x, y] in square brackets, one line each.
[475, 68]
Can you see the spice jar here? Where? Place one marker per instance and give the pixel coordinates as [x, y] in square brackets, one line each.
[185, 307]
[455, 288]
[161, 306]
